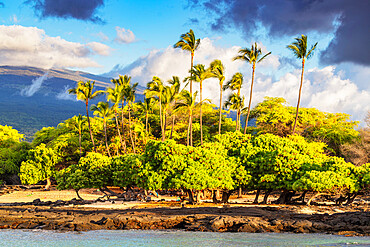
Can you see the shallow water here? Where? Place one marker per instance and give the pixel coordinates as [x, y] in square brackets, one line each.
[171, 238]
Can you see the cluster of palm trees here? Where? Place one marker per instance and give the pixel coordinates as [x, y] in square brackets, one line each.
[171, 99]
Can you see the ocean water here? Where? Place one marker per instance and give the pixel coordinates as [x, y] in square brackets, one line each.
[171, 239]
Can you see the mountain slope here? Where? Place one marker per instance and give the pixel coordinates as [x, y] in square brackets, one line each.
[32, 98]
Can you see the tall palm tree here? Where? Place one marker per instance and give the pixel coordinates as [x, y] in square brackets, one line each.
[174, 92]
[252, 56]
[199, 74]
[236, 83]
[235, 102]
[188, 42]
[129, 94]
[147, 107]
[103, 110]
[123, 82]
[114, 95]
[299, 48]
[187, 102]
[218, 71]
[155, 88]
[84, 92]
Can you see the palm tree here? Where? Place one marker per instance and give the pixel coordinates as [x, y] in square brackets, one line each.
[199, 74]
[218, 71]
[129, 94]
[187, 102]
[123, 82]
[252, 56]
[77, 123]
[189, 43]
[235, 102]
[299, 48]
[155, 88]
[174, 92]
[114, 95]
[147, 107]
[84, 92]
[103, 110]
[236, 83]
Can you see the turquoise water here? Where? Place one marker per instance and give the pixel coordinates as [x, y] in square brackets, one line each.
[171, 239]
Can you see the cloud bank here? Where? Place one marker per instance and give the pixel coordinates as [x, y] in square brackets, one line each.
[30, 46]
[282, 17]
[68, 9]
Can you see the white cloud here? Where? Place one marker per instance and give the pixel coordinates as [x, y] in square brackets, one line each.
[124, 36]
[99, 48]
[30, 46]
[322, 89]
[35, 86]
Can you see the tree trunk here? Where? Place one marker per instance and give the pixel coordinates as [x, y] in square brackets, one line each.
[250, 100]
[79, 142]
[240, 192]
[88, 121]
[225, 196]
[191, 128]
[164, 125]
[48, 184]
[267, 193]
[191, 93]
[119, 132]
[214, 196]
[123, 130]
[191, 196]
[106, 138]
[200, 115]
[257, 195]
[187, 136]
[78, 195]
[173, 124]
[129, 124]
[314, 196]
[299, 98]
[219, 121]
[160, 116]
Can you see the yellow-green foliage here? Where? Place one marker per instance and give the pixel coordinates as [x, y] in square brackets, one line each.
[39, 165]
[7, 133]
[92, 171]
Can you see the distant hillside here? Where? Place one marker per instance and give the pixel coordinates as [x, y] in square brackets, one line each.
[32, 98]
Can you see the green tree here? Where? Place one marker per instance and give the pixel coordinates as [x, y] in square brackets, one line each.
[77, 124]
[188, 42]
[84, 92]
[103, 110]
[199, 74]
[7, 133]
[252, 56]
[236, 83]
[129, 94]
[40, 165]
[174, 93]
[147, 107]
[235, 102]
[115, 96]
[299, 48]
[155, 88]
[218, 71]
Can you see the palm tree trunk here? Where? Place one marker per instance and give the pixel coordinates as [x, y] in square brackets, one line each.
[119, 132]
[123, 130]
[299, 98]
[106, 139]
[88, 121]
[160, 116]
[200, 115]
[191, 93]
[79, 142]
[191, 128]
[250, 100]
[129, 124]
[146, 123]
[187, 136]
[164, 125]
[173, 124]
[219, 121]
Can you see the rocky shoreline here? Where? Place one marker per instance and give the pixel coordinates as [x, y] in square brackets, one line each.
[76, 216]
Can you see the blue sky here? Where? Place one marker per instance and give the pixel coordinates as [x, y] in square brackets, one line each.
[114, 37]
